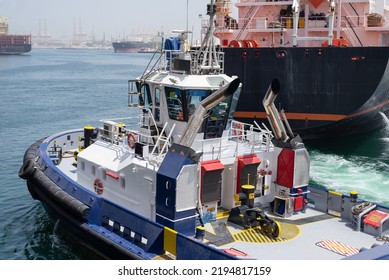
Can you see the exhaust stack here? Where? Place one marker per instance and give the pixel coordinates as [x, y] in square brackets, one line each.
[208, 103]
[272, 113]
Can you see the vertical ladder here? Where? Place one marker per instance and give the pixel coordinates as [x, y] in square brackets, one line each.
[132, 94]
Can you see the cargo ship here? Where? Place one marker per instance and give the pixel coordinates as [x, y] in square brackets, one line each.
[333, 57]
[12, 44]
[132, 46]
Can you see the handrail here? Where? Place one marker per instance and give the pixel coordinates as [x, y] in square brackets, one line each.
[249, 17]
[167, 140]
[119, 137]
[355, 11]
[254, 137]
[146, 73]
[352, 28]
[159, 139]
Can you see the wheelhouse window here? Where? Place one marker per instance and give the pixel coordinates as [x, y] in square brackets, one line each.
[220, 116]
[157, 97]
[193, 98]
[215, 124]
[145, 96]
[174, 100]
[183, 103]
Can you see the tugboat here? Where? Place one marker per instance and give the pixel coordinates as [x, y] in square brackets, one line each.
[192, 183]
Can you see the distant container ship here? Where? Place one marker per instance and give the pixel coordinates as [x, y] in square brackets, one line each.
[12, 44]
[131, 46]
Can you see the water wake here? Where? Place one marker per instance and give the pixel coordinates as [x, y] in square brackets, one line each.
[386, 120]
[366, 175]
[385, 137]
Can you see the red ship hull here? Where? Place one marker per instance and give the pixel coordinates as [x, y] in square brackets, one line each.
[15, 44]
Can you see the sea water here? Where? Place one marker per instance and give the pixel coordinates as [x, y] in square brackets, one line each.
[47, 91]
[354, 163]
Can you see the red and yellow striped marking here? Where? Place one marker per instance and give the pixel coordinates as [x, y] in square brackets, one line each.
[338, 247]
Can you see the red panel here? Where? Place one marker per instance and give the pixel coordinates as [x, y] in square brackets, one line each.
[374, 218]
[235, 252]
[112, 174]
[242, 162]
[316, 3]
[285, 168]
[246, 160]
[206, 167]
[210, 165]
[298, 203]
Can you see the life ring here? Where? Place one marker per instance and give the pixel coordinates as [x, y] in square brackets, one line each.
[98, 186]
[238, 129]
[131, 140]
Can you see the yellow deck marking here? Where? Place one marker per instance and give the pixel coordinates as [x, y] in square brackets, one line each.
[256, 235]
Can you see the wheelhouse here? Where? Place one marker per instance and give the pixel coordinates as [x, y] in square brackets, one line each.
[176, 101]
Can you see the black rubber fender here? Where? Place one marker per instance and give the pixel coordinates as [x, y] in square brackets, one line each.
[27, 169]
[61, 197]
[39, 185]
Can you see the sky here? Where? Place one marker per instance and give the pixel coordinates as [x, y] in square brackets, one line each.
[110, 17]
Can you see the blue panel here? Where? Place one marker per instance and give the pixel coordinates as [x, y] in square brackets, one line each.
[172, 43]
[167, 185]
[136, 223]
[172, 164]
[375, 253]
[191, 249]
[166, 194]
[166, 199]
[185, 226]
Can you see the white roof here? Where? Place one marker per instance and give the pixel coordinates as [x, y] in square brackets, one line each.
[191, 81]
[107, 155]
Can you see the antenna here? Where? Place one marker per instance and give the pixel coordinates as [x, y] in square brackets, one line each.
[187, 14]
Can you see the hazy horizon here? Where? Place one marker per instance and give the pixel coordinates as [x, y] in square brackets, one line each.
[115, 18]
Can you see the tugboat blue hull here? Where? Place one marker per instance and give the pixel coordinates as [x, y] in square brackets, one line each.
[80, 213]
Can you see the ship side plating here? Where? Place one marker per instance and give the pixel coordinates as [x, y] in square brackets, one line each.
[329, 91]
[333, 56]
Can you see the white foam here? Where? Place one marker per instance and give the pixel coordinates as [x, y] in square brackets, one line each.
[370, 177]
[386, 120]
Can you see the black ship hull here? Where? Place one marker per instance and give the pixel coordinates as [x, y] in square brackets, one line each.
[325, 91]
[15, 49]
[130, 47]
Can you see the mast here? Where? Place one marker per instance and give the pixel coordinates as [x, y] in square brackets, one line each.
[207, 55]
